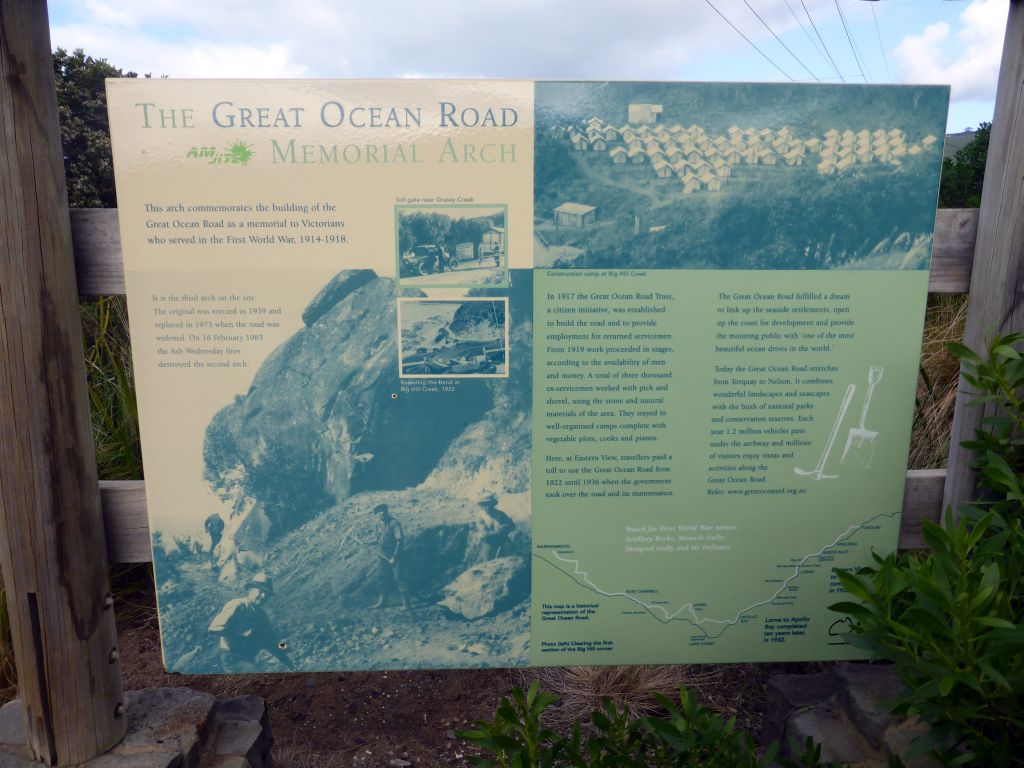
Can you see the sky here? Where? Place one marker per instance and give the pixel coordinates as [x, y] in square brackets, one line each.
[956, 42]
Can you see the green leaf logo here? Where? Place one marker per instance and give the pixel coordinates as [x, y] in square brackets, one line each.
[240, 152]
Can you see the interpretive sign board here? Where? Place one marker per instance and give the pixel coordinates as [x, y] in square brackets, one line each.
[469, 373]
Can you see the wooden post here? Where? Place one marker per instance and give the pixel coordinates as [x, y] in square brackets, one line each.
[51, 531]
[998, 273]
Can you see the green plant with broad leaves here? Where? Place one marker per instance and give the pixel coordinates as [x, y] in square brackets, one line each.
[515, 735]
[998, 381]
[952, 620]
[688, 734]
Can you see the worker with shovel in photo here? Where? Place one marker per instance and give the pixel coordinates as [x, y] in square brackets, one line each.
[387, 546]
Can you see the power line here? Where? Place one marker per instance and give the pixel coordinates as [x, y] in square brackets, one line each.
[803, 27]
[766, 56]
[829, 77]
[849, 39]
[815, 27]
[765, 23]
[863, 58]
[878, 33]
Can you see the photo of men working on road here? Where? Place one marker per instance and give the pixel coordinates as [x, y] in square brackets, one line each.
[491, 535]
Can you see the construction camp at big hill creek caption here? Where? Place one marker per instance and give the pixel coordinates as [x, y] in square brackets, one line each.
[335, 115]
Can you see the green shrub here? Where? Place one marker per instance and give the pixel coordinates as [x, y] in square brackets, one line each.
[688, 734]
[952, 620]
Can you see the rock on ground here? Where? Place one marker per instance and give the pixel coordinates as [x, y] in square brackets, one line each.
[167, 728]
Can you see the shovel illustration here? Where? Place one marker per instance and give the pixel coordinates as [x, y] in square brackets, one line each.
[818, 473]
[860, 442]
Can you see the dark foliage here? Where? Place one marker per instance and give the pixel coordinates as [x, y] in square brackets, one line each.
[963, 174]
[84, 131]
[437, 229]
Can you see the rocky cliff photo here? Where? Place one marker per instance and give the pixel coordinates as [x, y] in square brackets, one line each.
[327, 435]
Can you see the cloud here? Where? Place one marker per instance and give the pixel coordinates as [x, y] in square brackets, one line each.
[967, 59]
[592, 39]
[186, 58]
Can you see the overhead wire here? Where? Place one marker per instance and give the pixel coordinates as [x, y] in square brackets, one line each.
[772, 31]
[751, 42]
[860, 53]
[815, 28]
[807, 33]
[878, 33]
[825, 79]
[849, 39]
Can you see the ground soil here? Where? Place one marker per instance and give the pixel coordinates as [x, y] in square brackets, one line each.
[326, 720]
[336, 720]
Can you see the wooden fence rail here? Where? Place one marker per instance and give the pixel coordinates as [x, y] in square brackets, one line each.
[97, 245]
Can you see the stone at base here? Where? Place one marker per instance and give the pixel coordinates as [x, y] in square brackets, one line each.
[838, 738]
[785, 694]
[242, 728]
[240, 738]
[230, 761]
[845, 711]
[164, 720]
[12, 725]
[167, 728]
[11, 760]
[152, 759]
[864, 690]
[897, 739]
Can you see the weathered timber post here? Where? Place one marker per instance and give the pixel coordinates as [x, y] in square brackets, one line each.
[997, 280]
[51, 531]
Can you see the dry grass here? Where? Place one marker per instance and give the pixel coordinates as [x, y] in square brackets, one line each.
[287, 754]
[937, 382]
[733, 690]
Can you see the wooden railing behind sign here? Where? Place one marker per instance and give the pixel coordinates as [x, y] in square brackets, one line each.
[97, 246]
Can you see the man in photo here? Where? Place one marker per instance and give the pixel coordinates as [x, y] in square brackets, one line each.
[493, 529]
[214, 525]
[389, 542]
[440, 256]
[245, 629]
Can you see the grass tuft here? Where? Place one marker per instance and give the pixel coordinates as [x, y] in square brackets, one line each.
[108, 360]
[728, 689]
[937, 381]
